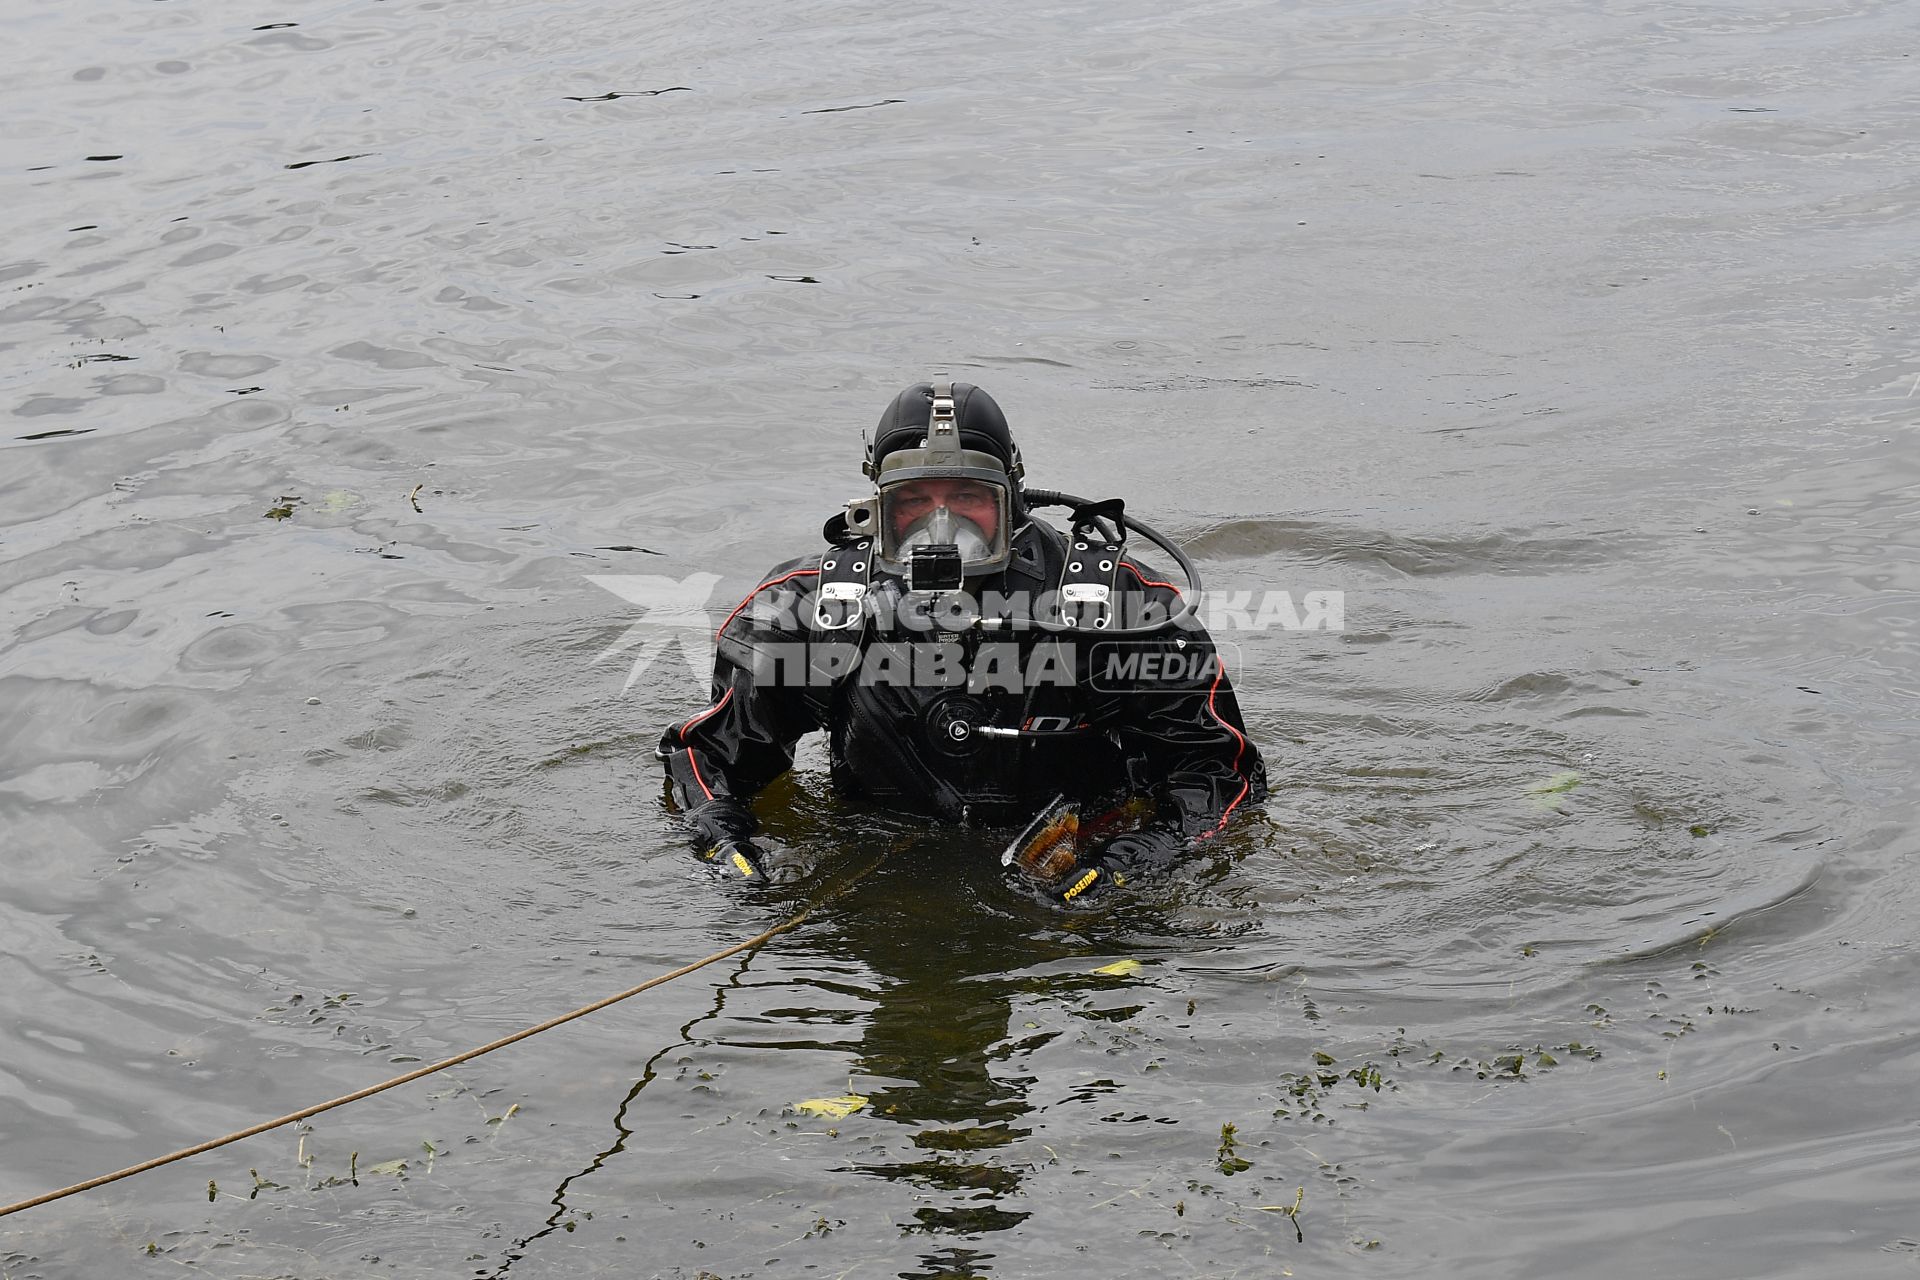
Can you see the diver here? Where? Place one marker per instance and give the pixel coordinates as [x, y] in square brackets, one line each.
[973, 664]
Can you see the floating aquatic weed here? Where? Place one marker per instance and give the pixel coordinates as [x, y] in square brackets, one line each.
[1518, 1063]
[1228, 1159]
[1292, 1213]
[1547, 792]
[1307, 1090]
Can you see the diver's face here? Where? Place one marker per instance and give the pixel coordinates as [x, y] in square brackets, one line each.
[967, 499]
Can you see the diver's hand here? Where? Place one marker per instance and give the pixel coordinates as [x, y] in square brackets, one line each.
[1088, 884]
[738, 859]
[750, 863]
[1121, 859]
[721, 830]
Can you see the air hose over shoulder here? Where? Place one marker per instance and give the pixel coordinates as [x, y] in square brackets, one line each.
[1114, 512]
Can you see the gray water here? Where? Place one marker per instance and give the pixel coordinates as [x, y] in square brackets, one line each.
[1573, 343]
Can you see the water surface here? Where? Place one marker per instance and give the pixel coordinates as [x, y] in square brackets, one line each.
[344, 342]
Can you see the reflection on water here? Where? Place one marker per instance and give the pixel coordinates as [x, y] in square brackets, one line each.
[935, 1032]
[921, 1001]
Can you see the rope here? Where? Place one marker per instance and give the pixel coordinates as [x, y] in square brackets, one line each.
[418, 1072]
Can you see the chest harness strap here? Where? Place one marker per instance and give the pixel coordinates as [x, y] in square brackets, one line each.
[839, 613]
[839, 601]
[1089, 580]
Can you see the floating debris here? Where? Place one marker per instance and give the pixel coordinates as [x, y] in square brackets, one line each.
[307, 164]
[1549, 791]
[1292, 1213]
[632, 93]
[858, 106]
[832, 1108]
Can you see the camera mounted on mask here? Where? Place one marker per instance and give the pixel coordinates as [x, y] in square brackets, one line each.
[940, 513]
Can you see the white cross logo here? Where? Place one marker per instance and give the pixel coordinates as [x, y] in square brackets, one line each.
[679, 604]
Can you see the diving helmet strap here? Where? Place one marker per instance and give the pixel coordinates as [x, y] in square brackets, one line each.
[943, 423]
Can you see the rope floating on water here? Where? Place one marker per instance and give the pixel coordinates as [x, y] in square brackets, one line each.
[418, 1072]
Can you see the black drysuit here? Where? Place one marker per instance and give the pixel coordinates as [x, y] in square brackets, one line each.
[893, 741]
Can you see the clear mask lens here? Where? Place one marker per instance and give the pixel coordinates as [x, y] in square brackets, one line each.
[963, 512]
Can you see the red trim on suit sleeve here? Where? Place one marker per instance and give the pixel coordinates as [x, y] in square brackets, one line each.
[797, 573]
[692, 760]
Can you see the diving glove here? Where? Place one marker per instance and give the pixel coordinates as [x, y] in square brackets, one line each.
[1086, 885]
[736, 858]
[1119, 860]
[721, 829]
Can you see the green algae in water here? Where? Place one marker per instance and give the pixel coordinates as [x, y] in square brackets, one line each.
[1548, 792]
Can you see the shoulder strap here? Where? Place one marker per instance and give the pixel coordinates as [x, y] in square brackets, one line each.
[1089, 579]
[839, 614]
[839, 600]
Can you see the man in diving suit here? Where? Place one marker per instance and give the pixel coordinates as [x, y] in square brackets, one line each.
[950, 644]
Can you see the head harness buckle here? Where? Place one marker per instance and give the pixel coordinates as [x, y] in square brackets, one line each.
[943, 427]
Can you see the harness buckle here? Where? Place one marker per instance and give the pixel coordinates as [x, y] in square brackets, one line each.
[849, 595]
[1090, 578]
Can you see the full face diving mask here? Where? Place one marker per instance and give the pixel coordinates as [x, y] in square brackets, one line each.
[938, 507]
